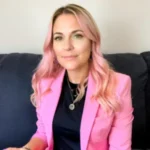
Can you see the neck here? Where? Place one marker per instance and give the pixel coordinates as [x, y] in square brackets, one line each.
[78, 75]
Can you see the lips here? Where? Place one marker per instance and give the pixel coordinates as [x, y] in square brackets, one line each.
[70, 57]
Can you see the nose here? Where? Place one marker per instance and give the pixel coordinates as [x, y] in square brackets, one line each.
[67, 44]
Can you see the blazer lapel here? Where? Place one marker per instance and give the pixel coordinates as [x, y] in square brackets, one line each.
[52, 99]
[89, 114]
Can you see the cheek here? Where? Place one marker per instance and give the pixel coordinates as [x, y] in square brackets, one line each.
[57, 50]
[84, 52]
[83, 46]
[84, 56]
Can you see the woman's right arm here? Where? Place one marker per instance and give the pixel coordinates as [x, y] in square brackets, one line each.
[38, 140]
[36, 144]
[33, 144]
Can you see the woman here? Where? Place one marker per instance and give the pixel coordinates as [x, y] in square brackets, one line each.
[81, 102]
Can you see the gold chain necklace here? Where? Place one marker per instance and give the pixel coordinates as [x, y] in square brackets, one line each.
[72, 105]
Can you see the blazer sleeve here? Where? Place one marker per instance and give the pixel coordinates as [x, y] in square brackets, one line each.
[40, 132]
[121, 131]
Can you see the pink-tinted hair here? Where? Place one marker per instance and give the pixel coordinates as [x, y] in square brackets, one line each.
[100, 69]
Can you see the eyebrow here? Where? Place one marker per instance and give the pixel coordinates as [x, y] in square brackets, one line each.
[71, 32]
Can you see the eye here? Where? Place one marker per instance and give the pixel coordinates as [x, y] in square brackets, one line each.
[58, 38]
[78, 36]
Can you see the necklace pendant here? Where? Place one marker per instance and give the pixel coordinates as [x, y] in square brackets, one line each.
[72, 106]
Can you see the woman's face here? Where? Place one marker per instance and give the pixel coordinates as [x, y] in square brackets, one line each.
[71, 47]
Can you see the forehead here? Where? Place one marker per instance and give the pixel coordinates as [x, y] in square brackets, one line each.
[66, 23]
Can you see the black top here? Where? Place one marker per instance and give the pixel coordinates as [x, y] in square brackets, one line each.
[66, 122]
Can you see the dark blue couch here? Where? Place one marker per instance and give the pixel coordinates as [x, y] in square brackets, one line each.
[18, 117]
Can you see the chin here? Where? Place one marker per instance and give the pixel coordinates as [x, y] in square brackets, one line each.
[71, 67]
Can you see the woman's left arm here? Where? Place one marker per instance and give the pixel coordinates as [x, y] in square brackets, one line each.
[120, 137]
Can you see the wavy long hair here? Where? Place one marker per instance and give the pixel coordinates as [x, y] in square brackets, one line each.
[101, 71]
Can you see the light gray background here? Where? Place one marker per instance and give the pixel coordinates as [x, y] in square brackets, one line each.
[124, 24]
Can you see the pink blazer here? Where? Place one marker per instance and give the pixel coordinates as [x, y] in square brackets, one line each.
[98, 131]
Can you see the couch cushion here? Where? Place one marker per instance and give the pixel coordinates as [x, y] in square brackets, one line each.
[17, 115]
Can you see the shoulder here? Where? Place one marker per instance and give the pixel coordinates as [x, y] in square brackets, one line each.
[123, 83]
[123, 91]
[44, 84]
[53, 81]
[45, 81]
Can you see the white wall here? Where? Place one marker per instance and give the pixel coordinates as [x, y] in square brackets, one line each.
[124, 24]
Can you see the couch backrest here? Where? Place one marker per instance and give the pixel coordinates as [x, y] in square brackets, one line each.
[17, 115]
[146, 56]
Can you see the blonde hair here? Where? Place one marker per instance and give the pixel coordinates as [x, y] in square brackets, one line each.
[100, 69]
